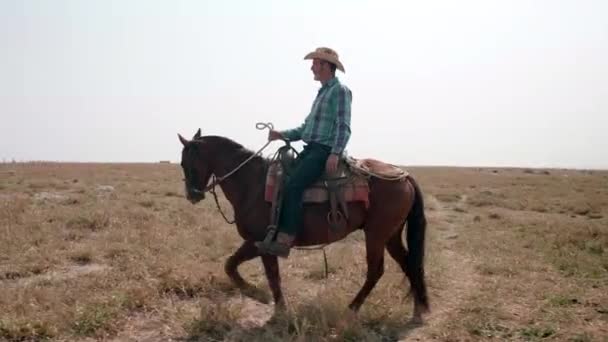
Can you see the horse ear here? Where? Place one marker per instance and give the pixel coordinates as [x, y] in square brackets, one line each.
[197, 135]
[183, 140]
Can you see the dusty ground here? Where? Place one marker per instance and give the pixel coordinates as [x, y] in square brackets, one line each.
[114, 252]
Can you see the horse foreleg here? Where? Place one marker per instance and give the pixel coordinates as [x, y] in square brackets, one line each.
[271, 266]
[246, 252]
[375, 270]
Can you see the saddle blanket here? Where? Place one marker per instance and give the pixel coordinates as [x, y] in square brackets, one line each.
[355, 189]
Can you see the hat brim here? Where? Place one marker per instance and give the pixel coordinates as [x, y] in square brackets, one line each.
[326, 57]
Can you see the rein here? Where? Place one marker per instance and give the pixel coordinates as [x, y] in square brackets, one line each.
[217, 180]
[217, 202]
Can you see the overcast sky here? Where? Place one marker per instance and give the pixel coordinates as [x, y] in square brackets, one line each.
[466, 83]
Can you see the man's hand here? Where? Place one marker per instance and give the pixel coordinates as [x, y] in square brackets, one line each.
[274, 135]
[332, 163]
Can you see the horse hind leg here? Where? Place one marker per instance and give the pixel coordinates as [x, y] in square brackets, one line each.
[396, 249]
[375, 270]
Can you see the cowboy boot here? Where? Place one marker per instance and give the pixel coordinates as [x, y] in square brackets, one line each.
[280, 247]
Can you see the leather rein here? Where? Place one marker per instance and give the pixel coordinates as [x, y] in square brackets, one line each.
[217, 180]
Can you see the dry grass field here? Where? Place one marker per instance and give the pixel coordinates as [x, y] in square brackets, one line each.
[114, 252]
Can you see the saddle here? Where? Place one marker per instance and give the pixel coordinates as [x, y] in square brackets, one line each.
[349, 184]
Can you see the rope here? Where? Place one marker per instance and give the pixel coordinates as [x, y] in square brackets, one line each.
[219, 208]
[217, 180]
[220, 179]
[396, 178]
[367, 173]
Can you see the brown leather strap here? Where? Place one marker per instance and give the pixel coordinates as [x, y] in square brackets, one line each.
[275, 209]
[335, 188]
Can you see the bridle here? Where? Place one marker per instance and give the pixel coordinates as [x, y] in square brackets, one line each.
[217, 180]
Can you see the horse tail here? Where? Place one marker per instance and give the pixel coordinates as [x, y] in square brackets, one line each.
[416, 228]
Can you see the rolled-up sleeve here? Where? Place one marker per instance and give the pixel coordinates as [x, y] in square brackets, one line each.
[342, 123]
[294, 134]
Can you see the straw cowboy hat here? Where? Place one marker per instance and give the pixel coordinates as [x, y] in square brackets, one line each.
[326, 54]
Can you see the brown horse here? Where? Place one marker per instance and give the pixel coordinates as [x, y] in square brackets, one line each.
[391, 205]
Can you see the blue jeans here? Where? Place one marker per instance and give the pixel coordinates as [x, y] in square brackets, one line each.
[308, 168]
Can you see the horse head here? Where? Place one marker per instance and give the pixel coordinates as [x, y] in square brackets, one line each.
[196, 166]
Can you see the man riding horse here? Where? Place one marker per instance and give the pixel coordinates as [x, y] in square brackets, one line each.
[326, 131]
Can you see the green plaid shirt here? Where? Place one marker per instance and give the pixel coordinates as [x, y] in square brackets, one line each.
[329, 120]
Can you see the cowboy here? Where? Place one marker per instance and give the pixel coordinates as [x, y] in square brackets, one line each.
[326, 131]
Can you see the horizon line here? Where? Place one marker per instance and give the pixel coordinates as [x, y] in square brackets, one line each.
[171, 162]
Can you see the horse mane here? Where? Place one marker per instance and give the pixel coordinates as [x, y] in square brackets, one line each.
[241, 152]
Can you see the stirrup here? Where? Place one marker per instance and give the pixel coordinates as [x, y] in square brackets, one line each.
[280, 247]
[271, 232]
[263, 245]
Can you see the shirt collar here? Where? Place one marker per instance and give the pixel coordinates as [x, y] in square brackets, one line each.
[330, 83]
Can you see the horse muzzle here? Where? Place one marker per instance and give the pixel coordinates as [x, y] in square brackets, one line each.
[195, 195]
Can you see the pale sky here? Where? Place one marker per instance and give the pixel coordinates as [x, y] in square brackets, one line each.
[463, 83]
